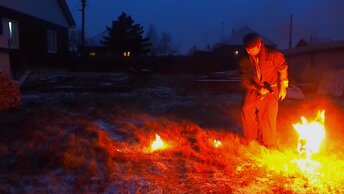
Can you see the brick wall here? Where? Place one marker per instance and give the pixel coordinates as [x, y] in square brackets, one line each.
[9, 89]
[4, 56]
[9, 93]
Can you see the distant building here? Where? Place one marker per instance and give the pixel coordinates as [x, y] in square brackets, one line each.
[309, 62]
[236, 39]
[95, 47]
[96, 41]
[230, 50]
[37, 30]
[235, 44]
[302, 43]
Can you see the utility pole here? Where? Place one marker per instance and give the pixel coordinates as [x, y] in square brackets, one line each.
[83, 5]
[290, 29]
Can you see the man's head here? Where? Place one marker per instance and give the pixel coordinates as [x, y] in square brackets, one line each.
[252, 43]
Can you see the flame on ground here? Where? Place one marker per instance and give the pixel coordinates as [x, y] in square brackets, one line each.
[311, 134]
[217, 143]
[158, 144]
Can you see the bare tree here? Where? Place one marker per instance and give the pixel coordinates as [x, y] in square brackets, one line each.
[154, 38]
[165, 43]
[161, 45]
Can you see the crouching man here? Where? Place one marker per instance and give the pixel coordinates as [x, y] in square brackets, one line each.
[264, 75]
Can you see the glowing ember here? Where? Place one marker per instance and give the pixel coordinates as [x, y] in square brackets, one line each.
[217, 143]
[157, 144]
[311, 134]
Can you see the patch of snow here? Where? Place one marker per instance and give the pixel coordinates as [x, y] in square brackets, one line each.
[58, 77]
[155, 92]
[118, 77]
[106, 84]
[65, 87]
[48, 97]
[109, 128]
[53, 79]
[111, 189]
[139, 185]
[163, 105]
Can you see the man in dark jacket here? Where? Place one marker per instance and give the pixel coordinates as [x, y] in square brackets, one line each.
[264, 74]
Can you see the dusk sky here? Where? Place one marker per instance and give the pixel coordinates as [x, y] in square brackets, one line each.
[205, 22]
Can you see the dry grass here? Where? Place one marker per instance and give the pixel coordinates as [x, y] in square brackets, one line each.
[96, 146]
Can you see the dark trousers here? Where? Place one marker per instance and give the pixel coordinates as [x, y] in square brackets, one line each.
[259, 115]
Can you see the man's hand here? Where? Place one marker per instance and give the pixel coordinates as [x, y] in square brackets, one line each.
[263, 91]
[282, 93]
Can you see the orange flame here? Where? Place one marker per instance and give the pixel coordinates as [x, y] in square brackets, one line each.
[217, 143]
[157, 144]
[311, 134]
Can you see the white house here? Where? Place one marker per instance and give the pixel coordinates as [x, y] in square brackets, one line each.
[37, 31]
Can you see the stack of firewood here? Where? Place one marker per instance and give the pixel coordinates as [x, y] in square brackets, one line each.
[9, 93]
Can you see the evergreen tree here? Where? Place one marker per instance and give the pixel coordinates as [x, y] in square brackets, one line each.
[126, 36]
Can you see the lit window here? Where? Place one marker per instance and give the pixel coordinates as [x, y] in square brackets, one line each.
[10, 30]
[92, 54]
[126, 54]
[52, 41]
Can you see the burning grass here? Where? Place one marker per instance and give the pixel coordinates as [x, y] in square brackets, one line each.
[106, 148]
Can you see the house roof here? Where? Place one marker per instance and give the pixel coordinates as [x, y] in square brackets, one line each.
[302, 43]
[96, 40]
[54, 11]
[67, 12]
[237, 38]
[315, 47]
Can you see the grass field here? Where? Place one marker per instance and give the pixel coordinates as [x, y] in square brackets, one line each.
[80, 142]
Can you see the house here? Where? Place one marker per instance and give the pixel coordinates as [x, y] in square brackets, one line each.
[228, 52]
[302, 43]
[311, 63]
[235, 45]
[95, 47]
[37, 31]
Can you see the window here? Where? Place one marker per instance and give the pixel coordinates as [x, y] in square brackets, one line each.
[52, 41]
[126, 54]
[10, 30]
